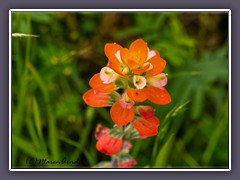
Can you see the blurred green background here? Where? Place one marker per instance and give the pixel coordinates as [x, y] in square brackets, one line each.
[50, 73]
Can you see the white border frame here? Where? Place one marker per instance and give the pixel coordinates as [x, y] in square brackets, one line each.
[118, 10]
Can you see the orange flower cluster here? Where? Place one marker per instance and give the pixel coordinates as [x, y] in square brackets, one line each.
[110, 143]
[137, 73]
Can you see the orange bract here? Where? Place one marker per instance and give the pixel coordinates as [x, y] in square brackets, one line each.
[112, 51]
[96, 99]
[121, 116]
[109, 145]
[138, 95]
[158, 65]
[97, 84]
[159, 96]
[146, 127]
[142, 69]
[136, 55]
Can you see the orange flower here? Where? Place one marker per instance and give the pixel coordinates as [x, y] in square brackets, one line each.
[141, 67]
[109, 144]
[137, 59]
[138, 71]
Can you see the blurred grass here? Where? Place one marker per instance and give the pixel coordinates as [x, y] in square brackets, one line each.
[50, 73]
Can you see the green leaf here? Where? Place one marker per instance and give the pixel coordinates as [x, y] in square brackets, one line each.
[26, 146]
[212, 143]
[37, 118]
[163, 155]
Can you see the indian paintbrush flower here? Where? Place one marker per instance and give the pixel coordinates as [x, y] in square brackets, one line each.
[131, 76]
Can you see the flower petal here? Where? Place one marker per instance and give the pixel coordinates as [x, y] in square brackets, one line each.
[96, 99]
[109, 145]
[139, 46]
[159, 96]
[138, 95]
[121, 116]
[129, 58]
[146, 127]
[145, 67]
[97, 84]
[158, 65]
[112, 51]
[133, 59]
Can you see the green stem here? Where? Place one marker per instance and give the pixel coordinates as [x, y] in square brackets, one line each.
[115, 158]
[114, 162]
[123, 129]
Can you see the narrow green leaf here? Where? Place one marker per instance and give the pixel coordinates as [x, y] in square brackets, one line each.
[52, 130]
[162, 157]
[136, 148]
[80, 148]
[185, 155]
[32, 133]
[26, 146]
[174, 112]
[37, 118]
[212, 143]
[197, 104]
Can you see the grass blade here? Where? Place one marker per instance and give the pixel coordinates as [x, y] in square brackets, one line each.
[162, 157]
